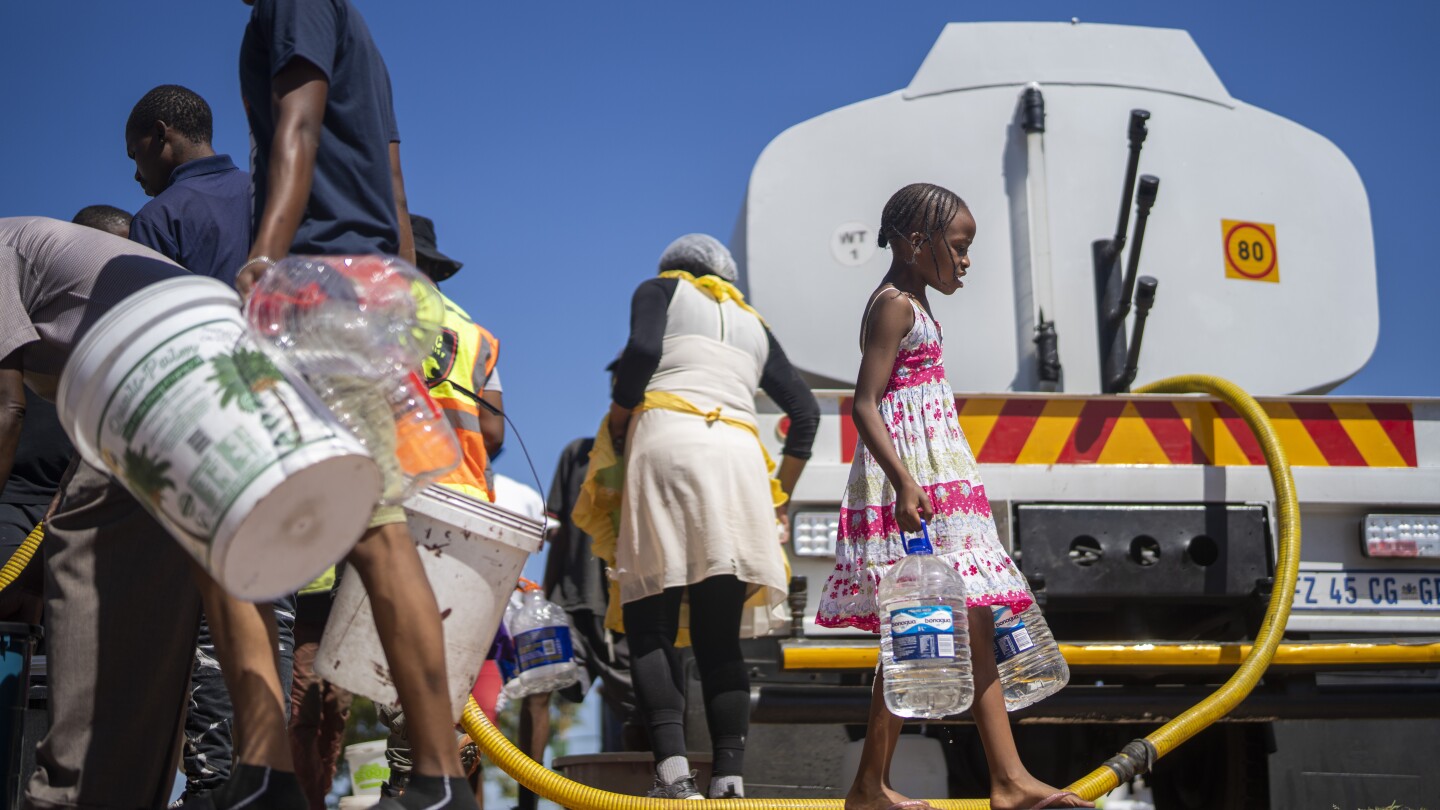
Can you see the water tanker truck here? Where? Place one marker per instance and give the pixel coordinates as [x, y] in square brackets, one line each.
[1136, 222]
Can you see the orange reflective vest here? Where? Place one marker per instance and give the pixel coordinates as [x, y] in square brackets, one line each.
[464, 357]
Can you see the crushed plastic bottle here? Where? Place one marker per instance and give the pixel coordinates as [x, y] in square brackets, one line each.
[925, 635]
[543, 648]
[360, 328]
[366, 315]
[1027, 657]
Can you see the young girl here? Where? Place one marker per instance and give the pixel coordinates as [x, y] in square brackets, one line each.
[914, 464]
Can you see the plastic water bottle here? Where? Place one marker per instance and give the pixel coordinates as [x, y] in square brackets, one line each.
[542, 646]
[1031, 667]
[505, 657]
[925, 635]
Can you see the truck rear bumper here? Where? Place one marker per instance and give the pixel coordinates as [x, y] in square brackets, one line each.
[787, 703]
[1143, 683]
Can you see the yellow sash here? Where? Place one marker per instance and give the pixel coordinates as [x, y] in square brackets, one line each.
[715, 287]
[597, 510]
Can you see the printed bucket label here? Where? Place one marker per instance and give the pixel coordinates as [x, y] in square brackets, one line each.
[922, 633]
[543, 646]
[371, 776]
[1011, 637]
[197, 421]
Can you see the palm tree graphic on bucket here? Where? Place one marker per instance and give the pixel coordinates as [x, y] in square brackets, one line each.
[146, 474]
[242, 376]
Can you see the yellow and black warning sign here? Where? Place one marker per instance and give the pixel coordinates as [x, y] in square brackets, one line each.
[1250, 251]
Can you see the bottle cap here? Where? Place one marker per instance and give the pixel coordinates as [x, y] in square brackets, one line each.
[919, 543]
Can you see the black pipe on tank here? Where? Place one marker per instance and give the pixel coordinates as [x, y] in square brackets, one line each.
[1114, 286]
[1144, 299]
[1137, 134]
[1144, 201]
[1032, 110]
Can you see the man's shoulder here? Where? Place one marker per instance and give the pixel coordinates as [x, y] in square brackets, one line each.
[156, 211]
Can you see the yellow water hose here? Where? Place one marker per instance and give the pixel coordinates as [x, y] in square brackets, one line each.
[1137, 757]
[21, 557]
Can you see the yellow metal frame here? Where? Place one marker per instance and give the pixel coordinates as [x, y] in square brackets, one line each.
[1300, 654]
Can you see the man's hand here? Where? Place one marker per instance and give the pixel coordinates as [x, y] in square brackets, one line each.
[250, 274]
[782, 519]
[619, 424]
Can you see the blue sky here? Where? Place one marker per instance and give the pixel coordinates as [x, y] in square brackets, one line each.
[561, 145]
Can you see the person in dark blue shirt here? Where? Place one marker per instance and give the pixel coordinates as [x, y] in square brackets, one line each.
[351, 200]
[200, 218]
[326, 169]
[200, 214]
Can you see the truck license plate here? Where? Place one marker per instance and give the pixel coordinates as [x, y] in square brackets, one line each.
[1366, 589]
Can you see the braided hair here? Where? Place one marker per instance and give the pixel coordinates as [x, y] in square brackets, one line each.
[923, 207]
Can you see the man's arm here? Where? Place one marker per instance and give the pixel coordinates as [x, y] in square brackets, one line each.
[12, 411]
[402, 205]
[300, 90]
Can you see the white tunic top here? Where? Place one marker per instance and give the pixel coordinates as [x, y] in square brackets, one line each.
[697, 500]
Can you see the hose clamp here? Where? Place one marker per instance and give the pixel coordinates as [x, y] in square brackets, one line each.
[1135, 759]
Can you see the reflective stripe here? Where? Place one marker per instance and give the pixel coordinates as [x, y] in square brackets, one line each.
[460, 418]
[474, 355]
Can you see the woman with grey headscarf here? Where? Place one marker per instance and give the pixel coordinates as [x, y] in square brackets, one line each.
[698, 512]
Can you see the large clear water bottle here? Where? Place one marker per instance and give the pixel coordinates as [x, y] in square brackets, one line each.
[543, 648]
[505, 658]
[1031, 667]
[924, 635]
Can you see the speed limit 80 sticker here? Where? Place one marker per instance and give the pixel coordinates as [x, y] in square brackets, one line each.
[1250, 251]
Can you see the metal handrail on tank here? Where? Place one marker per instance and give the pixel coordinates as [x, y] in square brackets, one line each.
[1135, 759]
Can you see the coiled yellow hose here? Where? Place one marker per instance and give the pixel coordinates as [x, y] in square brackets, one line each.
[1287, 568]
[576, 796]
[21, 557]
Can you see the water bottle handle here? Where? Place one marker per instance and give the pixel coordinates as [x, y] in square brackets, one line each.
[924, 532]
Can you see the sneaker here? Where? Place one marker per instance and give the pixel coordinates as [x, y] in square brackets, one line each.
[730, 793]
[683, 788]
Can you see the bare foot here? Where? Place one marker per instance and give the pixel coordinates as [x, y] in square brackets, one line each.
[1028, 793]
[883, 798]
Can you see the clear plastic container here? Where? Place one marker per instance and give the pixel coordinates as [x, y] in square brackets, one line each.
[925, 636]
[506, 659]
[1031, 667]
[543, 649]
[360, 329]
[366, 315]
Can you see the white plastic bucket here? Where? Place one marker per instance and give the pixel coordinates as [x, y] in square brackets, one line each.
[368, 768]
[230, 453]
[472, 552]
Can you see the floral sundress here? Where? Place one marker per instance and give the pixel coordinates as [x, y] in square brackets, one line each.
[918, 409]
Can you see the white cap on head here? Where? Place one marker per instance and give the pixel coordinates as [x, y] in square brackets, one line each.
[698, 254]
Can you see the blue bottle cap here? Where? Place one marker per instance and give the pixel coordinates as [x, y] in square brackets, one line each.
[919, 543]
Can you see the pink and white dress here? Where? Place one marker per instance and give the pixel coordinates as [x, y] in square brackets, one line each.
[918, 408]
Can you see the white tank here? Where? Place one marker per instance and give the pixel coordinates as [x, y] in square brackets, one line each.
[1298, 314]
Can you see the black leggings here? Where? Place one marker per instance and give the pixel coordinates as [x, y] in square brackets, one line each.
[650, 626]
